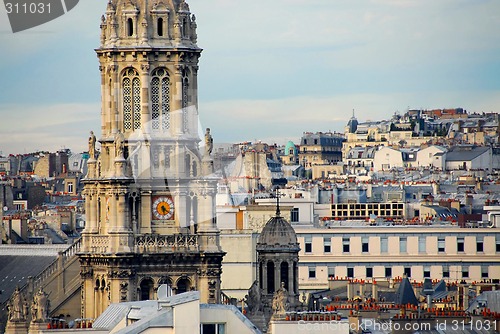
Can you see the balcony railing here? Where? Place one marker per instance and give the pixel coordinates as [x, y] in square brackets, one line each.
[152, 243]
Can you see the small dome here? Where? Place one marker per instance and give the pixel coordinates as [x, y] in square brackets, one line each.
[290, 146]
[278, 234]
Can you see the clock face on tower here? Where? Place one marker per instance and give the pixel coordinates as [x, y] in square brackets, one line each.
[163, 208]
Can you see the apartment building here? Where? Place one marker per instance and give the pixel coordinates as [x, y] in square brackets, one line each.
[385, 252]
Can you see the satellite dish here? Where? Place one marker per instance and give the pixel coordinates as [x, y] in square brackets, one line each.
[5, 208]
[164, 291]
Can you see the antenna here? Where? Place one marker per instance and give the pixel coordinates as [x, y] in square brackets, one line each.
[278, 195]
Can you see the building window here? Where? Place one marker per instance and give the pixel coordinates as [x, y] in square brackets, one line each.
[160, 100]
[130, 27]
[350, 272]
[403, 244]
[465, 272]
[70, 187]
[327, 244]
[384, 245]
[427, 272]
[479, 244]
[294, 215]
[160, 26]
[497, 243]
[407, 271]
[364, 245]
[421, 245]
[388, 272]
[307, 244]
[312, 272]
[369, 272]
[331, 272]
[345, 245]
[441, 245]
[484, 272]
[131, 100]
[460, 245]
[213, 329]
[446, 272]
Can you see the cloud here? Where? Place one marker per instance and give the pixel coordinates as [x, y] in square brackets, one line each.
[27, 128]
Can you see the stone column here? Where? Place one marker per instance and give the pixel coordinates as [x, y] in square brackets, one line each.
[145, 213]
[111, 211]
[277, 278]
[105, 111]
[193, 89]
[93, 212]
[291, 284]
[176, 109]
[181, 215]
[113, 97]
[122, 225]
[264, 277]
[145, 116]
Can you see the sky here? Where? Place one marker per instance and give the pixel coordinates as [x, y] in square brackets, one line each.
[270, 70]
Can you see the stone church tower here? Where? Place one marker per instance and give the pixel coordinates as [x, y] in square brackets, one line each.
[276, 289]
[149, 194]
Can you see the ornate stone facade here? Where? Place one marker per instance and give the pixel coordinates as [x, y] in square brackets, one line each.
[149, 193]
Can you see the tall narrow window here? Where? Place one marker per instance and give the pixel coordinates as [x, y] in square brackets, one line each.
[294, 215]
[364, 245]
[270, 277]
[131, 100]
[331, 272]
[403, 245]
[479, 244]
[388, 272]
[350, 272]
[308, 244]
[345, 245]
[446, 272]
[384, 245]
[312, 272]
[441, 244]
[465, 271]
[460, 244]
[427, 271]
[284, 275]
[327, 244]
[184, 28]
[130, 27]
[160, 26]
[484, 272]
[421, 244]
[160, 100]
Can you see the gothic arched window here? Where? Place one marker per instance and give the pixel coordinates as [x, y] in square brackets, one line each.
[131, 100]
[160, 100]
